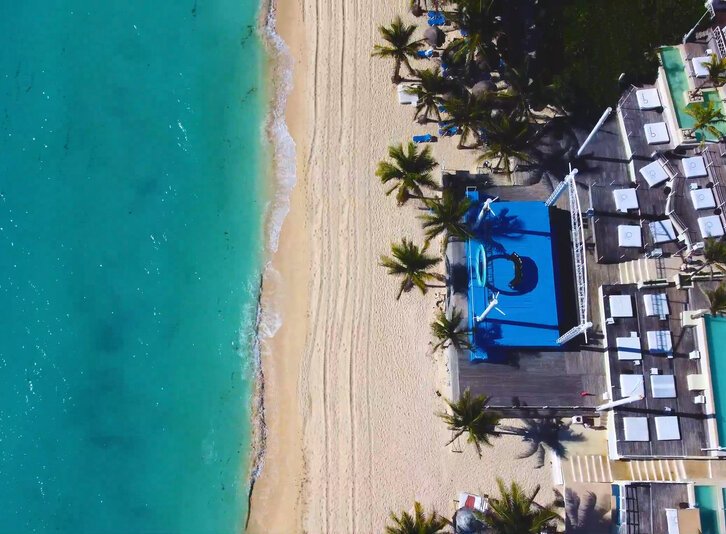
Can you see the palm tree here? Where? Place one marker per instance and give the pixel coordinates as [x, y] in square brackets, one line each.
[515, 512]
[446, 216]
[717, 300]
[418, 523]
[400, 46]
[714, 254]
[479, 20]
[412, 264]
[530, 94]
[449, 331]
[507, 138]
[472, 416]
[410, 170]
[467, 113]
[705, 118]
[429, 92]
[716, 73]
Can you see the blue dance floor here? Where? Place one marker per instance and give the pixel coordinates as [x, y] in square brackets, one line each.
[511, 254]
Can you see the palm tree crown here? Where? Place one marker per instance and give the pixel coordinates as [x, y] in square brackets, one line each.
[429, 92]
[717, 298]
[400, 47]
[467, 112]
[410, 170]
[446, 216]
[418, 523]
[716, 70]
[705, 118]
[412, 264]
[507, 138]
[472, 415]
[515, 512]
[449, 331]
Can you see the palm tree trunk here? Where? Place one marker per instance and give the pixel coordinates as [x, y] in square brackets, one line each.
[397, 71]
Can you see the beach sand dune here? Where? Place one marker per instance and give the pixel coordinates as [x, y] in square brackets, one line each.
[351, 379]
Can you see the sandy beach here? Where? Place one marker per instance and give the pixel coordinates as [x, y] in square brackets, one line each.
[350, 377]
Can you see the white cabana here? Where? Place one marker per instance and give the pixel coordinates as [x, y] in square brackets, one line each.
[663, 386]
[694, 167]
[629, 236]
[710, 226]
[703, 199]
[404, 97]
[628, 348]
[656, 304]
[625, 199]
[654, 173]
[656, 133]
[659, 341]
[666, 427]
[699, 65]
[632, 385]
[648, 98]
[620, 306]
[662, 231]
[636, 429]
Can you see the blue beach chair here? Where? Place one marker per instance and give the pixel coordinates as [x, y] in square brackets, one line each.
[425, 54]
[427, 138]
[436, 18]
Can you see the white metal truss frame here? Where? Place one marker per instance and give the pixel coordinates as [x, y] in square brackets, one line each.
[577, 234]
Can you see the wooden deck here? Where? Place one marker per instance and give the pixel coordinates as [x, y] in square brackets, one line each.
[646, 505]
[691, 415]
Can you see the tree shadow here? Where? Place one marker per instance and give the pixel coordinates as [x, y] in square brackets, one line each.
[543, 434]
[583, 516]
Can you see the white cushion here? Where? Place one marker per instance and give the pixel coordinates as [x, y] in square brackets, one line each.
[656, 304]
[654, 173]
[699, 65]
[628, 348]
[659, 341]
[710, 226]
[648, 98]
[656, 133]
[632, 385]
[625, 199]
[703, 198]
[666, 427]
[636, 429]
[629, 236]
[694, 167]
[621, 306]
[663, 386]
[662, 231]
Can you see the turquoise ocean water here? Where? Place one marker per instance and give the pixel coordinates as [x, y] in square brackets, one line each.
[131, 195]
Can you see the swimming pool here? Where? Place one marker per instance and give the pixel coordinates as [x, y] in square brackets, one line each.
[708, 507]
[678, 85]
[716, 334]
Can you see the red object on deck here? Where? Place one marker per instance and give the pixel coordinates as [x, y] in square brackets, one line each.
[470, 500]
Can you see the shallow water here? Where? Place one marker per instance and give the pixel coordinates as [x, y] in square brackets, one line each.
[130, 202]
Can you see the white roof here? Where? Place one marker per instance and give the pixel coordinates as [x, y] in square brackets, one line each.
[621, 306]
[628, 348]
[648, 98]
[694, 167]
[662, 231]
[636, 429]
[703, 198]
[625, 199]
[404, 97]
[710, 226]
[699, 65]
[659, 341]
[629, 236]
[654, 173]
[656, 133]
[632, 385]
[656, 304]
[666, 427]
[663, 386]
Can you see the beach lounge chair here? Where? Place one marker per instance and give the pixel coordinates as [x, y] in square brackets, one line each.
[448, 130]
[425, 54]
[436, 18]
[426, 138]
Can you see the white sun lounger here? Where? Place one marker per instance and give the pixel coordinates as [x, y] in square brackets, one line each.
[656, 133]
[710, 226]
[697, 382]
[632, 386]
[628, 348]
[694, 167]
[629, 236]
[625, 199]
[703, 199]
[654, 173]
[666, 427]
[404, 97]
[659, 341]
[648, 98]
[663, 386]
[656, 304]
[620, 306]
[699, 65]
[662, 231]
[636, 429]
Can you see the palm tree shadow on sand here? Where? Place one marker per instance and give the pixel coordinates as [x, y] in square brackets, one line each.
[546, 434]
[582, 514]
